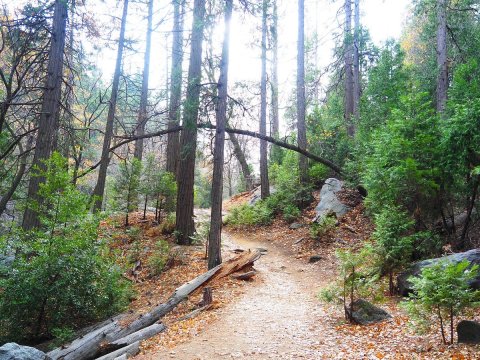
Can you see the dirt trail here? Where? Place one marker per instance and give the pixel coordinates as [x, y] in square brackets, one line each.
[277, 316]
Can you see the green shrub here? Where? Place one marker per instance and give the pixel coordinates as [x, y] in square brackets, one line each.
[318, 173]
[63, 276]
[248, 215]
[168, 224]
[127, 187]
[356, 278]
[159, 258]
[442, 290]
[291, 213]
[323, 226]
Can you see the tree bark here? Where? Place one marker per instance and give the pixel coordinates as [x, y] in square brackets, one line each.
[240, 155]
[349, 69]
[142, 113]
[301, 105]
[356, 62]
[105, 159]
[185, 226]
[173, 144]
[274, 82]
[215, 235]
[264, 182]
[48, 121]
[442, 78]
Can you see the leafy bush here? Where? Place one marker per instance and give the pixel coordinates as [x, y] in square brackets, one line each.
[443, 289]
[403, 165]
[168, 224]
[291, 213]
[63, 276]
[355, 278]
[248, 215]
[318, 173]
[159, 258]
[323, 226]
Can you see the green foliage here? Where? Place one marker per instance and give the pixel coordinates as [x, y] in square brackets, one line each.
[323, 226]
[393, 240]
[63, 276]
[403, 166]
[291, 213]
[127, 186]
[203, 191]
[248, 215]
[443, 289]
[167, 226]
[318, 173]
[355, 275]
[201, 233]
[159, 258]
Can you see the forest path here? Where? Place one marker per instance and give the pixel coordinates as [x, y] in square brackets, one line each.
[278, 316]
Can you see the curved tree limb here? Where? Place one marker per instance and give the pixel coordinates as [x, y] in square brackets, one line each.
[128, 139]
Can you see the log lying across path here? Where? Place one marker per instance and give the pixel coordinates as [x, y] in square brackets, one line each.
[113, 340]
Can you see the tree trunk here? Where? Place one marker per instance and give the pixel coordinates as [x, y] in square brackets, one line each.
[301, 127]
[102, 173]
[274, 156]
[215, 235]
[48, 121]
[349, 69]
[264, 182]
[142, 113]
[173, 144]
[442, 78]
[356, 62]
[240, 155]
[185, 226]
[18, 177]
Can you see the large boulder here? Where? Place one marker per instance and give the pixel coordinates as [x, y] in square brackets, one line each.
[365, 313]
[257, 195]
[13, 351]
[468, 332]
[473, 256]
[329, 202]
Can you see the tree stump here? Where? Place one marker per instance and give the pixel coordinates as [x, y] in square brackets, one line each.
[207, 296]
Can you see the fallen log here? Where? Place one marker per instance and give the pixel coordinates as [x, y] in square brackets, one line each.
[85, 347]
[140, 335]
[195, 312]
[126, 352]
[94, 343]
[245, 276]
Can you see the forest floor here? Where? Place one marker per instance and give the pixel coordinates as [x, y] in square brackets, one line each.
[278, 314]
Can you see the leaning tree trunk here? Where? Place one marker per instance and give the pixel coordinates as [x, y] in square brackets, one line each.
[356, 62]
[442, 77]
[214, 238]
[48, 121]
[142, 113]
[264, 182]
[173, 144]
[348, 68]
[185, 226]
[240, 155]
[104, 160]
[301, 127]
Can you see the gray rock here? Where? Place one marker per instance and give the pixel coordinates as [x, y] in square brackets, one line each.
[295, 226]
[365, 313]
[257, 195]
[6, 261]
[468, 332]
[329, 203]
[314, 259]
[13, 351]
[405, 287]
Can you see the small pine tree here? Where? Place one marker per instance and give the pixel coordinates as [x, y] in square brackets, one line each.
[127, 186]
[443, 289]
